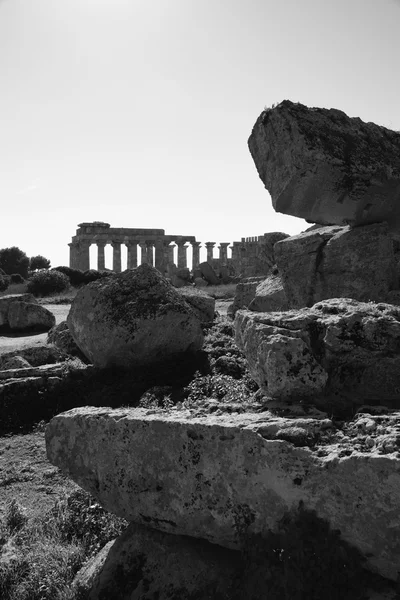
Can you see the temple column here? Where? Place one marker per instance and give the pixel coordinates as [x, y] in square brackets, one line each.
[143, 253]
[159, 261]
[116, 256]
[83, 262]
[150, 253]
[196, 255]
[132, 255]
[101, 263]
[210, 246]
[182, 258]
[73, 255]
[235, 251]
[223, 252]
[170, 250]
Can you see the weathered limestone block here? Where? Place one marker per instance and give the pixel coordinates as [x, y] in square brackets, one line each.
[145, 563]
[270, 296]
[208, 273]
[24, 316]
[202, 304]
[357, 344]
[14, 362]
[133, 319]
[337, 262]
[226, 477]
[6, 301]
[245, 293]
[327, 168]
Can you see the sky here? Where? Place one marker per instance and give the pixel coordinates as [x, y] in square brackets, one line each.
[138, 112]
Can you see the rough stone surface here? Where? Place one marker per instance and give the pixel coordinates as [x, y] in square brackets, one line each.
[24, 316]
[327, 168]
[202, 304]
[200, 282]
[60, 336]
[270, 296]
[226, 477]
[36, 355]
[143, 564]
[357, 344]
[208, 273]
[133, 319]
[14, 362]
[245, 293]
[337, 262]
[7, 301]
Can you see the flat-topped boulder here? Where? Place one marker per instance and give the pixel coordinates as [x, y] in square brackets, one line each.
[338, 351]
[326, 167]
[133, 319]
[224, 478]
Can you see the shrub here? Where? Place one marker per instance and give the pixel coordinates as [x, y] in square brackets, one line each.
[4, 282]
[17, 278]
[46, 282]
[13, 260]
[75, 276]
[39, 262]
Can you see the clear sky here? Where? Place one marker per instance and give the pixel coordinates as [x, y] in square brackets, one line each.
[137, 112]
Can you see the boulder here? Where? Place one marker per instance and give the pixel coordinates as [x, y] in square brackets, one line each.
[202, 304]
[144, 563]
[208, 273]
[180, 277]
[6, 301]
[133, 319]
[338, 351]
[270, 296]
[200, 282]
[327, 168]
[225, 478]
[24, 316]
[334, 262]
[14, 362]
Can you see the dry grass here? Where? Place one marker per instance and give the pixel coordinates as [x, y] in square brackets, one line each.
[15, 288]
[221, 292]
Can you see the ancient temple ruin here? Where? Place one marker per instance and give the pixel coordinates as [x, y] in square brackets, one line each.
[251, 256]
[155, 247]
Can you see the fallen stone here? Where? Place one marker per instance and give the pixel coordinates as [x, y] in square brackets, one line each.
[61, 337]
[269, 296]
[245, 293]
[225, 478]
[7, 301]
[35, 355]
[339, 351]
[145, 563]
[208, 273]
[133, 319]
[200, 282]
[202, 304]
[327, 168]
[337, 262]
[24, 316]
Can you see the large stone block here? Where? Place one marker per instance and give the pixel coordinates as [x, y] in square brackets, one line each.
[7, 301]
[133, 319]
[25, 316]
[337, 262]
[269, 296]
[327, 168]
[224, 478]
[356, 344]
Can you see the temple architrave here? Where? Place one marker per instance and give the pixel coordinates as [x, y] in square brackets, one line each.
[155, 247]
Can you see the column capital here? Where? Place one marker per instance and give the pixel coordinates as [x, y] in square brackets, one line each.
[210, 244]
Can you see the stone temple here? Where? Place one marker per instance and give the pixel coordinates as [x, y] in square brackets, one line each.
[251, 256]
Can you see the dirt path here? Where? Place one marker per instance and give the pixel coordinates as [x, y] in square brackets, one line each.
[11, 342]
